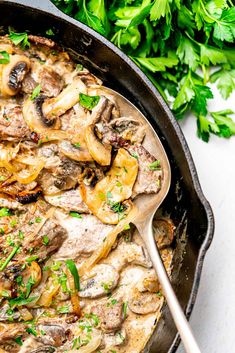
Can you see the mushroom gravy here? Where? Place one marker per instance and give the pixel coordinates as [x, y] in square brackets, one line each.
[74, 273]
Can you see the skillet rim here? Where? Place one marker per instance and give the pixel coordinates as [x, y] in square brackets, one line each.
[50, 9]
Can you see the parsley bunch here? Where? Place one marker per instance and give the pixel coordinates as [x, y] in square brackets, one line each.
[181, 45]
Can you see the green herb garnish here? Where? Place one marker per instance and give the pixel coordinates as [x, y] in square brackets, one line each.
[176, 44]
[155, 165]
[50, 32]
[75, 214]
[73, 269]
[18, 340]
[8, 259]
[45, 240]
[35, 92]
[21, 301]
[63, 309]
[4, 212]
[19, 38]
[88, 102]
[4, 59]
[77, 145]
[124, 309]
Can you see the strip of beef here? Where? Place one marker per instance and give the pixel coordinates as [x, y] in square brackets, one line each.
[110, 316]
[85, 234]
[12, 124]
[15, 188]
[68, 200]
[36, 244]
[149, 177]
[8, 202]
[50, 81]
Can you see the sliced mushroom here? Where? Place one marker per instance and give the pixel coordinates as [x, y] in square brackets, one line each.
[129, 129]
[116, 187]
[163, 232]
[65, 100]
[110, 316]
[54, 335]
[43, 349]
[99, 151]
[37, 122]
[13, 74]
[102, 280]
[68, 200]
[143, 302]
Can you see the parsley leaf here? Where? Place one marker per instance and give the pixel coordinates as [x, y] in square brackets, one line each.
[73, 269]
[19, 38]
[75, 214]
[225, 80]
[4, 57]
[35, 92]
[88, 102]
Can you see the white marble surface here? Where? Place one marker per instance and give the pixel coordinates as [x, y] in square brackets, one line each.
[213, 317]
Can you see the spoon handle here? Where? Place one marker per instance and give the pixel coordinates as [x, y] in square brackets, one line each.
[177, 313]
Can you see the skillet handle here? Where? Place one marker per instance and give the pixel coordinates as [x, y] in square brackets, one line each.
[177, 313]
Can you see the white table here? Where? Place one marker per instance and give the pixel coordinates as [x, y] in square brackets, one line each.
[213, 317]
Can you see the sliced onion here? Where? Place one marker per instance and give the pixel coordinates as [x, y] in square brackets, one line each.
[28, 175]
[25, 314]
[104, 249]
[118, 182]
[74, 293]
[48, 295]
[92, 345]
[100, 152]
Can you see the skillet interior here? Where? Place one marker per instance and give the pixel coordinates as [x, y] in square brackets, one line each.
[185, 202]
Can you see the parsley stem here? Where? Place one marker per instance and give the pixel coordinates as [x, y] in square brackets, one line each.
[8, 259]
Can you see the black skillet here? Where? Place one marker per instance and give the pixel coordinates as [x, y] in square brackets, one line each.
[185, 202]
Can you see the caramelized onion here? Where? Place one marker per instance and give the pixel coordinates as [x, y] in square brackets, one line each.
[114, 188]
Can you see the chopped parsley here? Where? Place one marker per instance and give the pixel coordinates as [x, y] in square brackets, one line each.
[135, 155]
[45, 240]
[155, 165]
[21, 235]
[63, 309]
[10, 256]
[62, 279]
[50, 32]
[19, 301]
[35, 92]
[4, 212]
[19, 38]
[18, 340]
[124, 308]
[73, 269]
[38, 220]
[88, 102]
[75, 214]
[32, 330]
[77, 145]
[94, 317]
[4, 59]
[79, 67]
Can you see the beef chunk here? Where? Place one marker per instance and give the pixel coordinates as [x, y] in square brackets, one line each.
[110, 316]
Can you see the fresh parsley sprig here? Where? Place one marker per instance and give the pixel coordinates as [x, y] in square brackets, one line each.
[176, 43]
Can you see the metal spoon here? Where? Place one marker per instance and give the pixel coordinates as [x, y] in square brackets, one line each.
[147, 206]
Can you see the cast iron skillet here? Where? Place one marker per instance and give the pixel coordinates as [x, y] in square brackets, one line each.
[185, 202]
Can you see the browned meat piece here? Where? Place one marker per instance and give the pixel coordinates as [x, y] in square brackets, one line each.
[53, 334]
[85, 234]
[41, 40]
[110, 316]
[68, 200]
[16, 188]
[50, 81]
[7, 315]
[8, 202]
[50, 155]
[28, 84]
[149, 176]
[163, 232]
[36, 245]
[26, 196]
[62, 177]
[121, 131]
[12, 124]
